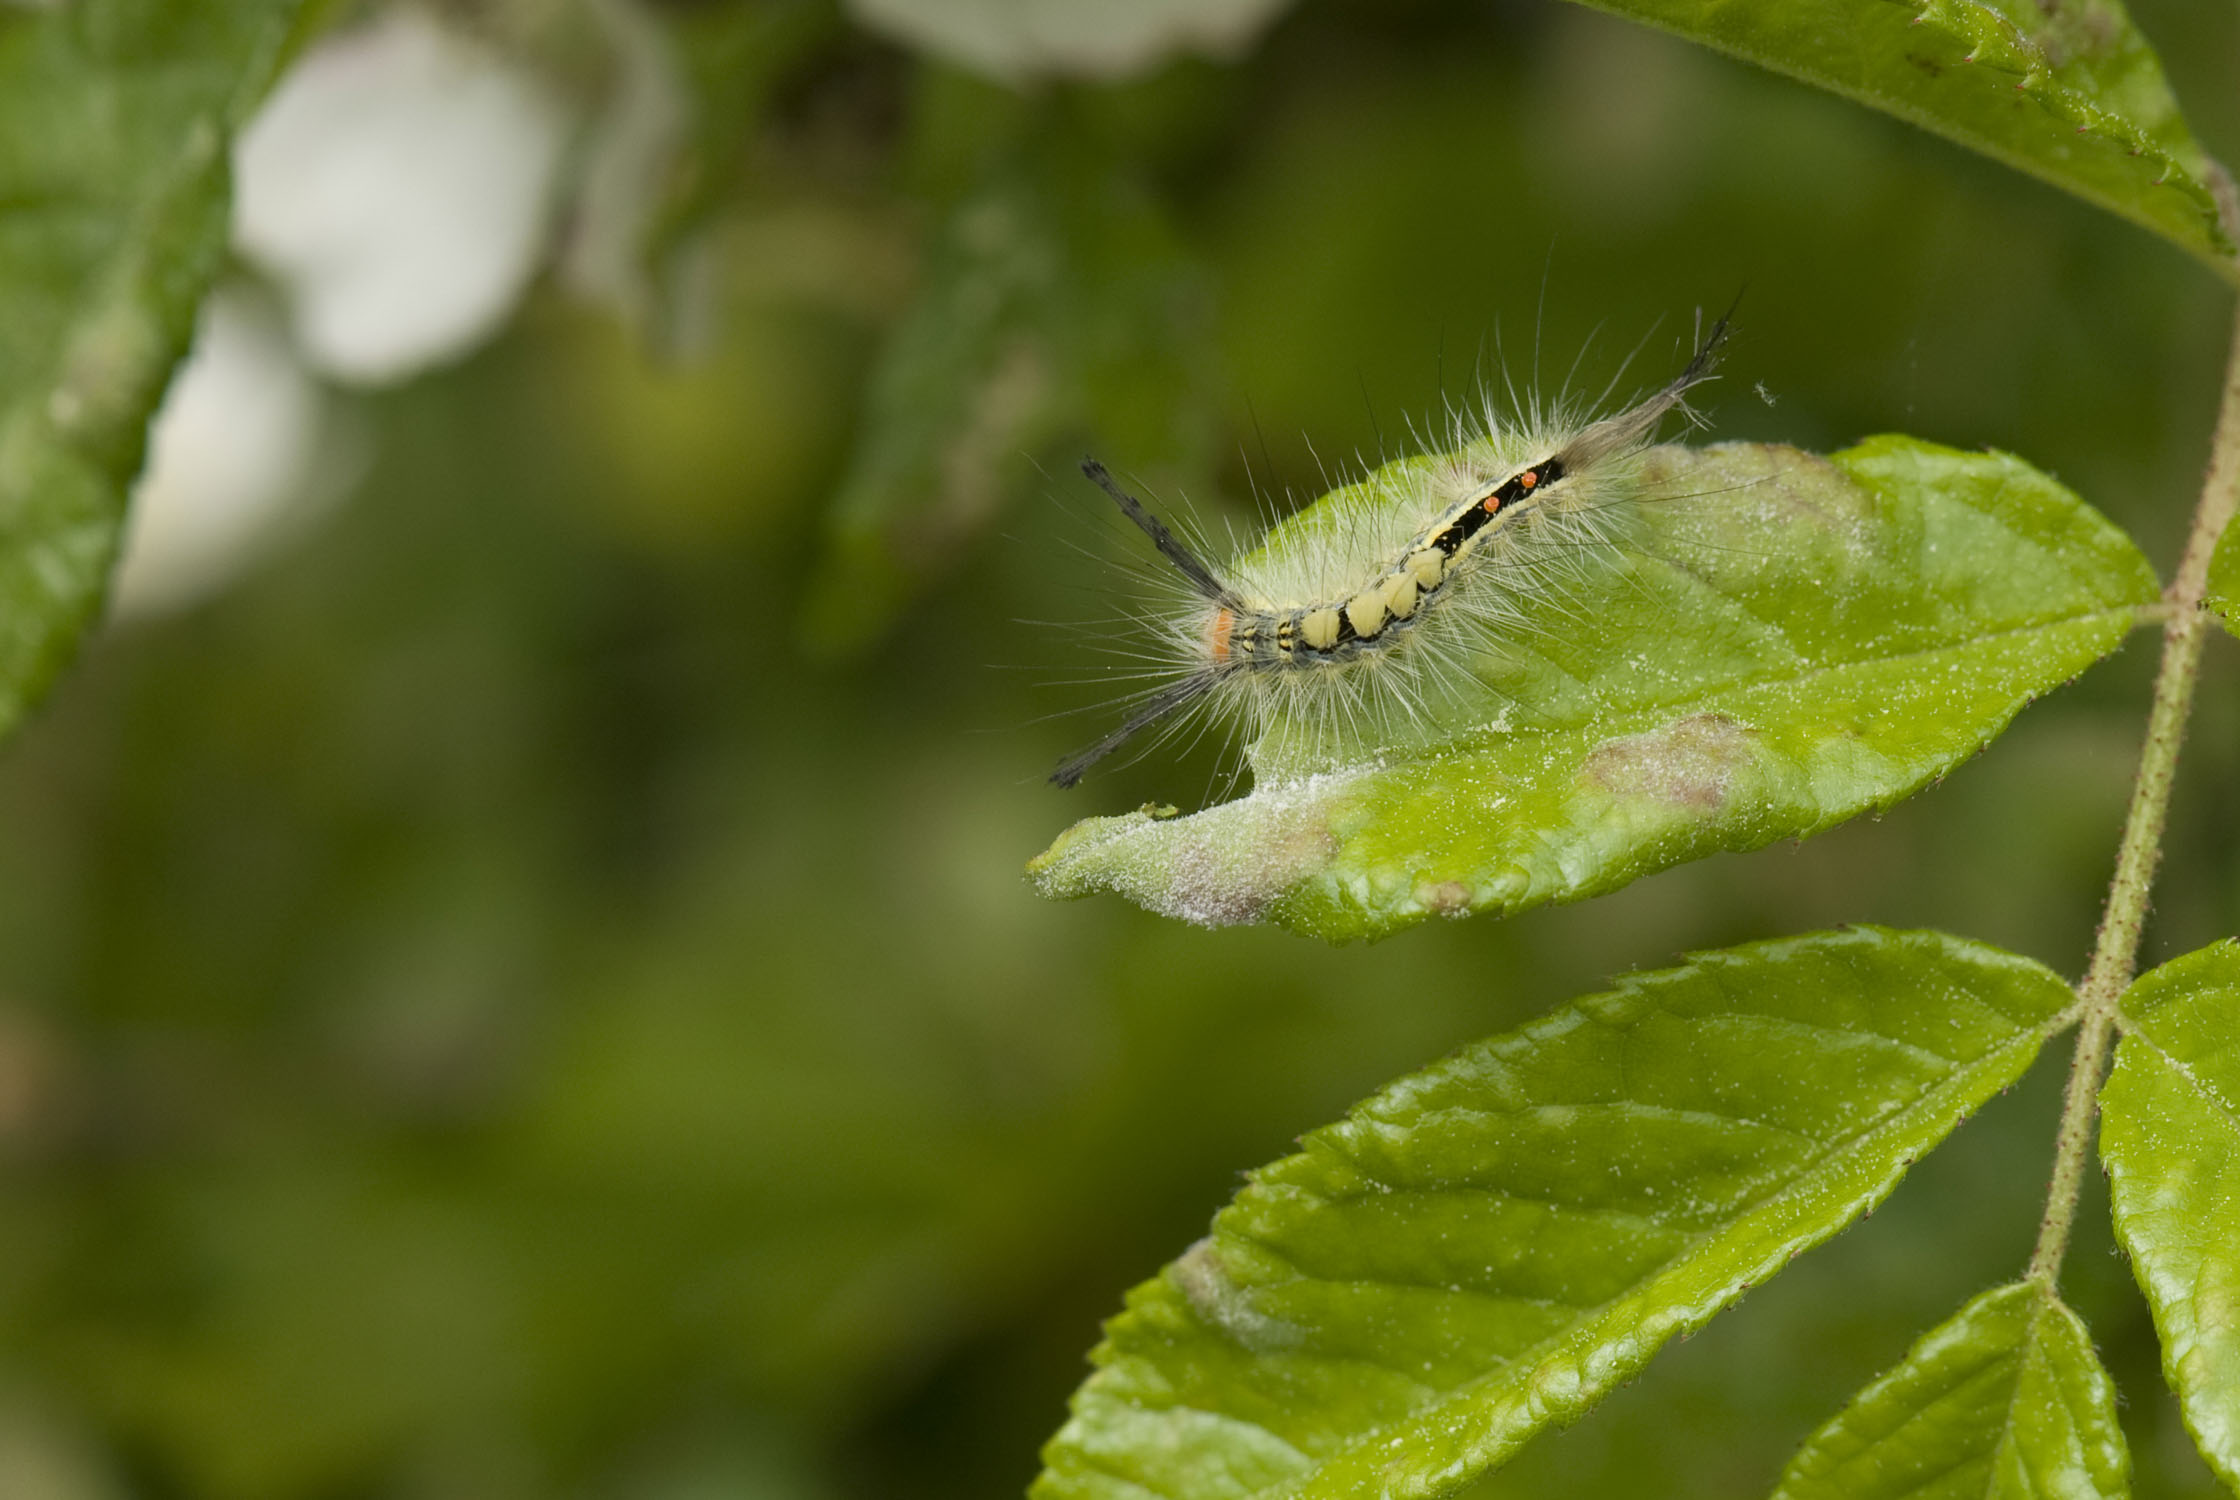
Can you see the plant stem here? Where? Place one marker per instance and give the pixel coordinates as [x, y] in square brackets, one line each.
[2115, 955]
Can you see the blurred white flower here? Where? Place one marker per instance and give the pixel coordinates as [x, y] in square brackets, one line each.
[231, 456]
[1017, 39]
[399, 184]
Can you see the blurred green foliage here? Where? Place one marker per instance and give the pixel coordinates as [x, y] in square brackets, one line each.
[487, 1011]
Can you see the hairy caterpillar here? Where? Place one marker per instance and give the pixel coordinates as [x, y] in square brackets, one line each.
[1394, 585]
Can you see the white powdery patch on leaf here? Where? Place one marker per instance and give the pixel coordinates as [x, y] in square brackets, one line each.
[1215, 868]
[399, 184]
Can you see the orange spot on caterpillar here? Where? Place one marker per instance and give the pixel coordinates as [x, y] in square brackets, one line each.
[1217, 634]
[1490, 504]
[1529, 478]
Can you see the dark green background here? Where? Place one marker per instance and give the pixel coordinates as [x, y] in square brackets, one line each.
[487, 1011]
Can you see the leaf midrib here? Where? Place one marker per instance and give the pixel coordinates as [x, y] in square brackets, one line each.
[1644, 714]
[2029, 1350]
[1825, 668]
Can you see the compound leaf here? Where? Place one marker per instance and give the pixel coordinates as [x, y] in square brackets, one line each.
[1486, 1248]
[2006, 1401]
[2170, 1135]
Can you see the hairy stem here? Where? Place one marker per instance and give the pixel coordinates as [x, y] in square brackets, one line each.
[2115, 954]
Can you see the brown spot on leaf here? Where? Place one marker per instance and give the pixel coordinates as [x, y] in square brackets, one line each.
[1447, 898]
[1690, 763]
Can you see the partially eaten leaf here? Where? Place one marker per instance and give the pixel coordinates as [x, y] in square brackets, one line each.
[1803, 640]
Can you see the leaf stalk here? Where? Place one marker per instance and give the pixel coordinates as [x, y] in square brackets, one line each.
[2116, 951]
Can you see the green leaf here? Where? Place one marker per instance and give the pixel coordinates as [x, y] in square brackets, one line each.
[2224, 579]
[1057, 300]
[2006, 1401]
[1810, 639]
[1486, 1248]
[2066, 90]
[115, 121]
[2170, 1135]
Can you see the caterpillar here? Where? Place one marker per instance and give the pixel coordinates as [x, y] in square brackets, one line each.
[1383, 595]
